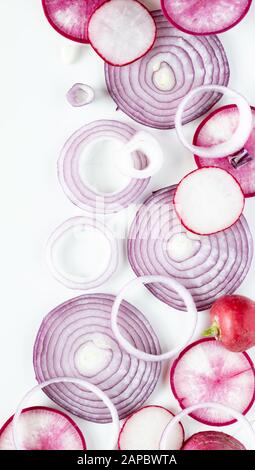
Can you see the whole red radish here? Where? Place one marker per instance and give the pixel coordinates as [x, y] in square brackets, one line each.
[212, 440]
[233, 322]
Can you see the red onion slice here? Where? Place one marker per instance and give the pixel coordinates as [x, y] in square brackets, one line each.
[80, 382]
[80, 95]
[189, 304]
[208, 266]
[76, 339]
[77, 190]
[43, 428]
[236, 140]
[70, 17]
[206, 17]
[217, 406]
[150, 90]
[84, 230]
[217, 127]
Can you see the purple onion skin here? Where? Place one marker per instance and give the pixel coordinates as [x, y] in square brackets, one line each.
[212, 440]
[127, 381]
[194, 61]
[218, 266]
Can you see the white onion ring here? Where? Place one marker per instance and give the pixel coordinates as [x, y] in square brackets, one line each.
[82, 383]
[238, 416]
[73, 281]
[146, 143]
[70, 179]
[189, 303]
[239, 137]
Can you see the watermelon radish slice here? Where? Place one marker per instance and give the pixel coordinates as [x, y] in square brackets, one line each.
[218, 127]
[70, 17]
[43, 428]
[205, 17]
[208, 200]
[144, 428]
[212, 440]
[207, 372]
[121, 32]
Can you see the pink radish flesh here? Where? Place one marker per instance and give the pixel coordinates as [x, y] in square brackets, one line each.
[70, 17]
[218, 127]
[205, 17]
[207, 372]
[42, 428]
[208, 201]
[121, 32]
[212, 440]
[144, 428]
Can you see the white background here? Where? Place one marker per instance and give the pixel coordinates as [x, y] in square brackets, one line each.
[35, 120]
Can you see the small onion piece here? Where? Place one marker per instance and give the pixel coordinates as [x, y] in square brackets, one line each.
[150, 89]
[76, 339]
[189, 304]
[101, 271]
[80, 382]
[77, 190]
[217, 406]
[80, 95]
[70, 17]
[208, 266]
[237, 139]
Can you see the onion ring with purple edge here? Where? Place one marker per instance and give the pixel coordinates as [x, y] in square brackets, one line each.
[82, 383]
[189, 303]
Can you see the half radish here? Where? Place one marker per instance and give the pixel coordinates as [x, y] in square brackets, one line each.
[218, 127]
[205, 17]
[70, 17]
[208, 200]
[207, 372]
[212, 440]
[43, 428]
[121, 32]
[144, 428]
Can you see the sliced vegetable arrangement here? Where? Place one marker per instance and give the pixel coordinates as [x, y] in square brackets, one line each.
[96, 355]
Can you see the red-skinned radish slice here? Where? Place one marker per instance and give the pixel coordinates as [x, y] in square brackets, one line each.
[218, 127]
[82, 253]
[76, 339]
[70, 17]
[233, 322]
[150, 89]
[208, 200]
[75, 185]
[205, 17]
[212, 440]
[217, 407]
[190, 307]
[83, 385]
[143, 430]
[236, 140]
[43, 428]
[208, 266]
[121, 32]
[206, 371]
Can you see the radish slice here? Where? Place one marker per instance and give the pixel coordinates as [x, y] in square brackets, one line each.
[121, 32]
[143, 430]
[206, 17]
[218, 127]
[236, 140]
[70, 17]
[208, 201]
[212, 440]
[206, 371]
[189, 304]
[215, 407]
[43, 428]
[82, 384]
